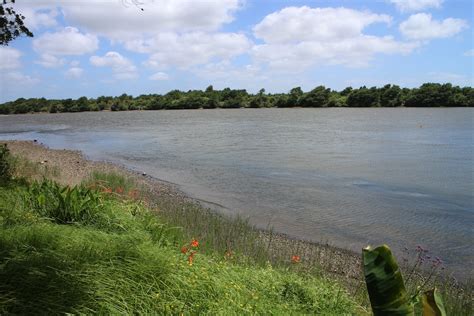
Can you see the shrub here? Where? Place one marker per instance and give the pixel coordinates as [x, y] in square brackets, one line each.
[64, 205]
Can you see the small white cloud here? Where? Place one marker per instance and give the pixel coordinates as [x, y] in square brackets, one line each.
[421, 26]
[416, 5]
[159, 76]
[74, 63]
[50, 61]
[121, 66]
[74, 72]
[68, 41]
[10, 58]
[469, 53]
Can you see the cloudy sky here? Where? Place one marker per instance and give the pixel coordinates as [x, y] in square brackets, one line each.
[109, 47]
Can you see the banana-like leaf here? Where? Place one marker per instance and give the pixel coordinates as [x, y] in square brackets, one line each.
[433, 303]
[385, 283]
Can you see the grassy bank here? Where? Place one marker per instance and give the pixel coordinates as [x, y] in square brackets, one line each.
[122, 252]
[97, 248]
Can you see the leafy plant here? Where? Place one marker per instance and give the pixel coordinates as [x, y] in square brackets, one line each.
[384, 281]
[433, 303]
[64, 205]
[386, 288]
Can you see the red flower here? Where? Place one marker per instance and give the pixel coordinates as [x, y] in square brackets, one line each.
[295, 259]
[119, 190]
[184, 249]
[194, 243]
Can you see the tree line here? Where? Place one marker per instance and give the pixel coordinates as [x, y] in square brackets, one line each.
[427, 95]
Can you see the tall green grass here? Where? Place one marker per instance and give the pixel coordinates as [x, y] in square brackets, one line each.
[121, 259]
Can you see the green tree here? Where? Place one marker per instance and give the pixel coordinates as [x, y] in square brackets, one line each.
[391, 96]
[12, 24]
[363, 97]
[318, 97]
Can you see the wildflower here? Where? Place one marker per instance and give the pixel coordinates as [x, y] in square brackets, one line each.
[184, 249]
[191, 258]
[107, 190]
[295, 259]
[194, 243]
[119, 190]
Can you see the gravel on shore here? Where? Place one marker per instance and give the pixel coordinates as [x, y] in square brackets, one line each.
[73, 168]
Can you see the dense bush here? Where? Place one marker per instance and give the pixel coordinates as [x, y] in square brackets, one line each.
[427, 95]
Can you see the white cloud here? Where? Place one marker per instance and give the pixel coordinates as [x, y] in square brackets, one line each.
[421, 26]
[416, 5]
[469, 53]
[74, 72]
[10, 58]
[36, 19]
[119, 21]
[68, 41]
[159, 76]
[183, 51]
[179, 33]
[50, 61]
[121, 66]
[297, 24]
[299, 37]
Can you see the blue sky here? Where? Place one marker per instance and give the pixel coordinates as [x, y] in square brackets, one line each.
[113, 47]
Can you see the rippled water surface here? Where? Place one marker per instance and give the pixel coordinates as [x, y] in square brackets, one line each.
[348, 176]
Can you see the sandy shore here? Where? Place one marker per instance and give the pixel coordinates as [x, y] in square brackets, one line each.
[73, 168]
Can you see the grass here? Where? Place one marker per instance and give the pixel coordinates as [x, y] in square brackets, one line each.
[122, 254]
[121, 259]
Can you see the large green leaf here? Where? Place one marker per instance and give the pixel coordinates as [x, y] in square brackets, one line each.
[432, 303]
[385, 283]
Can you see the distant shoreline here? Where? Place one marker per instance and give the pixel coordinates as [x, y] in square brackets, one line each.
[242, 108]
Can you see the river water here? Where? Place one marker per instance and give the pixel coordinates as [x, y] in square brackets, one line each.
[351, 177]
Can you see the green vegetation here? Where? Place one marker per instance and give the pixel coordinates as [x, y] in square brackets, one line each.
[427, 95]
[84, 250]
[109, 246]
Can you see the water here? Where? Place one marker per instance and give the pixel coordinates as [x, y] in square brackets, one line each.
[348, 176]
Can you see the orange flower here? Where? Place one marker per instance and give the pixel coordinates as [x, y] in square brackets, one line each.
[119, 190]
[295, 259]
[107, 190]
[184, 249]
[191, 258]
[194, 243]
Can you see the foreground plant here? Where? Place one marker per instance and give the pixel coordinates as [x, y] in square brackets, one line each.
[386, 289]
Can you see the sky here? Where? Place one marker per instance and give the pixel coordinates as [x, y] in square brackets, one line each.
[110, 47]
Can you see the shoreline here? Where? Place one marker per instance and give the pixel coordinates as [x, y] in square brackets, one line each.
[74, 167]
